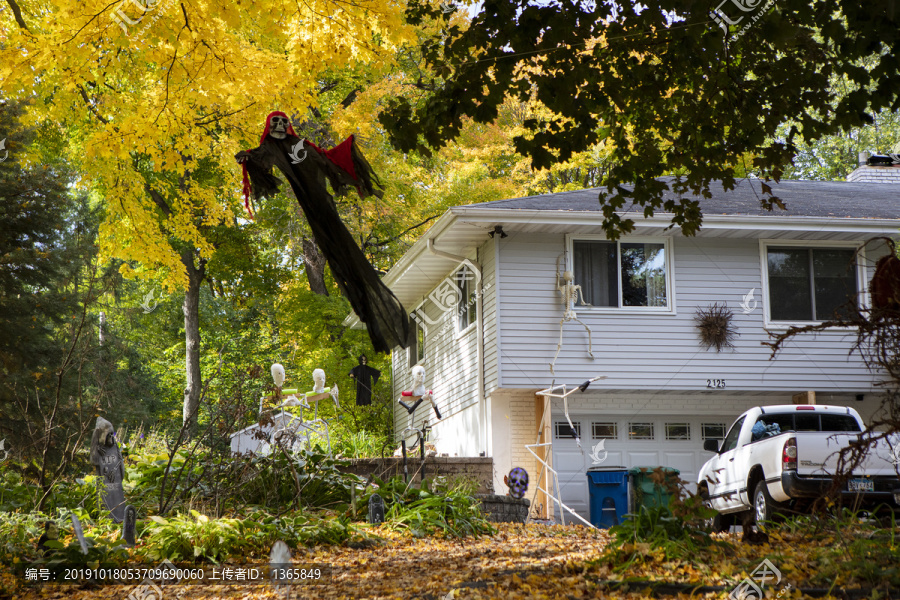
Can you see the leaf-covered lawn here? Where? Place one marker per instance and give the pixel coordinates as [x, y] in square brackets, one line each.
[554, 562]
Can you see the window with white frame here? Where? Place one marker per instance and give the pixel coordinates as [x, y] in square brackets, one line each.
[416, 342]
[564, 431]
[815, 283]
[622, 274]
[465, 311]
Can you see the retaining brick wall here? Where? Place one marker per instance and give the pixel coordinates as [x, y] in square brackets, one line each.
[480, 469]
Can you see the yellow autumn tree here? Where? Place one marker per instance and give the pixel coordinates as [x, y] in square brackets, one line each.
[154, 98]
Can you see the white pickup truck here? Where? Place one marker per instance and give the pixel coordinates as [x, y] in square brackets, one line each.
[779, 457]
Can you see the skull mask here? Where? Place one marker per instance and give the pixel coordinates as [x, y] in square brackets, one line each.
[279, 127]
[418, 374]
[517, 482]
[319, 381]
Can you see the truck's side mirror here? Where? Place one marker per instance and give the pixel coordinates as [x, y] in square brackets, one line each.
[711, 445]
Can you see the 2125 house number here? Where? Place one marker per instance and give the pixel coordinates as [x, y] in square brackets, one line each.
[715, 383]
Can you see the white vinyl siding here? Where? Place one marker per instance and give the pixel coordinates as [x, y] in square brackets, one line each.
[488, 254]
[450, 369]
[650, 350]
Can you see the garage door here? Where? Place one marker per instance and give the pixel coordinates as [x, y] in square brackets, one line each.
[674, 441]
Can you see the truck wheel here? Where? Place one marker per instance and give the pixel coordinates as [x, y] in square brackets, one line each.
[720, 522]
[764, 507]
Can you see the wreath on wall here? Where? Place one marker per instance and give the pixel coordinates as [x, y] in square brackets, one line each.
[714, 324]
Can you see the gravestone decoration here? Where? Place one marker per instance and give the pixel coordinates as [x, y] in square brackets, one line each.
[376, 509]
[128, 526]
[107, 460]
[79, 533]
[366, 377]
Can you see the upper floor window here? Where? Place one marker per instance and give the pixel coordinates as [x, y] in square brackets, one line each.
[465, 280]
[416, 342]
[632, 274]
[811, 283]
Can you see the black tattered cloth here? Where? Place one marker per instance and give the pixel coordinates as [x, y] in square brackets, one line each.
[366, 377]
[371, 300]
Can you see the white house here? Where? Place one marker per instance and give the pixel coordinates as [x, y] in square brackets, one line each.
[482, 287]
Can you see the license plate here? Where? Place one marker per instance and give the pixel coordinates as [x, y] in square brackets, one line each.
[861, 485]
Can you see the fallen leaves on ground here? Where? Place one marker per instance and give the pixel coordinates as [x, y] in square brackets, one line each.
[533, 561]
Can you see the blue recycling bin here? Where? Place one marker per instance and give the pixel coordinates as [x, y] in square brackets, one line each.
[608, 493]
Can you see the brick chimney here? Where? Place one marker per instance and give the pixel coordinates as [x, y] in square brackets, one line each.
[865, 173]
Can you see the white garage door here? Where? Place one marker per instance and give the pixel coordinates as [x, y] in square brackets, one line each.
[644, 441]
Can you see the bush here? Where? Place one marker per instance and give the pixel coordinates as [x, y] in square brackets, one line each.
[184, 538]
[452, 511]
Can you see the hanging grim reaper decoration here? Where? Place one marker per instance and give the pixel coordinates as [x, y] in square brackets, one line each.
[308, 168]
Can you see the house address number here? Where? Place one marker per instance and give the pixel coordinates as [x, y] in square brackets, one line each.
[715, 383]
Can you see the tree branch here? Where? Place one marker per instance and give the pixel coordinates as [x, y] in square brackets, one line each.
[17, 13]
[399, 235]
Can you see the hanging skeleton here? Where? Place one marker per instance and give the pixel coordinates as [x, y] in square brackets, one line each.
[570, 293]
[417, 395]
[307, 167]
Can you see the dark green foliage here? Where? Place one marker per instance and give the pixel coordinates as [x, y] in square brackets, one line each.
[452, 512]
[55, 376]
[671, 91]
[660, 534]
[196, 537]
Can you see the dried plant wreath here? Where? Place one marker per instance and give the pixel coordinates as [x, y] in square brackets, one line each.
[715, 326]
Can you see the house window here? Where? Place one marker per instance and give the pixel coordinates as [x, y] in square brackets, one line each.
[811, 284]
[712, 431]
[565, 432]
[678, 431]
[621, 274]
[604, 431]
[417, 342]
[640, 431]
[465, 311]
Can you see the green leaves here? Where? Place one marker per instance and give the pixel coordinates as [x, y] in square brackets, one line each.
[451, 512]
[672, 96]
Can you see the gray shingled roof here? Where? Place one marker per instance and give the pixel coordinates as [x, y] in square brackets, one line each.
[837, 199]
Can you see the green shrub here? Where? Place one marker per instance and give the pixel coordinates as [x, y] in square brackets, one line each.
[194, 538]
[451, 511]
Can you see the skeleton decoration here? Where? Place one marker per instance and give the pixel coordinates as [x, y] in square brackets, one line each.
[416, 395]
[561, 392]
[418, 373]
[366, 377]
[345, 168]
[278, 375]
[320, 392]
[517, 482]
[571, 293]
[291, 430]
[107, 460]
[319, 381]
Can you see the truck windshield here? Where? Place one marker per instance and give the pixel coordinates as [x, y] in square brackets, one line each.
[781, 422]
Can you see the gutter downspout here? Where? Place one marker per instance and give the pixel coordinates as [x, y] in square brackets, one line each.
[479, 332]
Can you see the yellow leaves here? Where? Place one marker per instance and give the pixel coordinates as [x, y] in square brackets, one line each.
[146, 100]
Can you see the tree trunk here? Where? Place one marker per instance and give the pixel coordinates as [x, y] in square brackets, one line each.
[315, 266]
[191, 310]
